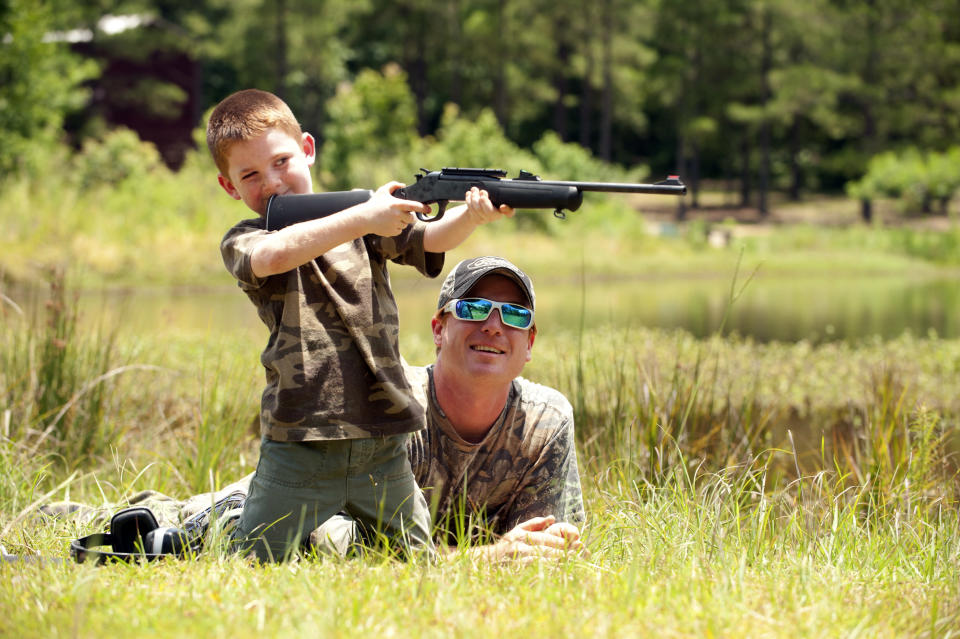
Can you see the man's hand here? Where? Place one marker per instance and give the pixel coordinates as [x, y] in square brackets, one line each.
[386, 215]
[536, 538]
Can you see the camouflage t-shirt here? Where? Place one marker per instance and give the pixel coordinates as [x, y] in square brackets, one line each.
[526, 465]
[332, 360]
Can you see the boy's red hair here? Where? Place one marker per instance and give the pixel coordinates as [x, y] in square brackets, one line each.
[245, 115]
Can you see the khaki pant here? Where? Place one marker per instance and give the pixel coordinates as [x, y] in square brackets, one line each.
[300, 485]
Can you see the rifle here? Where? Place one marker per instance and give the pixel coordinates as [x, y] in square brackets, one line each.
[526, 191]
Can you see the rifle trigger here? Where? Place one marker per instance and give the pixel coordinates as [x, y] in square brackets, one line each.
[441, 208]
[560, 215]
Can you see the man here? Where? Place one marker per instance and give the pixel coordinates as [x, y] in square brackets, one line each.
[498, 455]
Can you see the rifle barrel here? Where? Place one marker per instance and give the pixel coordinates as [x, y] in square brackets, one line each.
[620, 187]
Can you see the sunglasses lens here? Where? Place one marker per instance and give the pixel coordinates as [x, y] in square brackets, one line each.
[475, 310]
[516, 316]
[479, 309]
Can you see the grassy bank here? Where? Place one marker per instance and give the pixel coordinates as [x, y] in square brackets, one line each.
[732, 488]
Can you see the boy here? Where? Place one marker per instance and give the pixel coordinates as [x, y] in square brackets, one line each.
[337, 409]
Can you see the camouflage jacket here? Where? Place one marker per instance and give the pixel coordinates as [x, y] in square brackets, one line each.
[526, 465]
[332, 360]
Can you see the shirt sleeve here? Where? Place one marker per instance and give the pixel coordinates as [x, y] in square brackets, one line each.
[407, 249]
[236, 249]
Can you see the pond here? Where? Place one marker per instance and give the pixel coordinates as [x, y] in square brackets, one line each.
[769, 308]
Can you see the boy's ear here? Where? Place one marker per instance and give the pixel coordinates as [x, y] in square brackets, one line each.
[309, 146]
[228, 187]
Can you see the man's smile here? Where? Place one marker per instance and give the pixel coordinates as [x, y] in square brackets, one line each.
[483, 348]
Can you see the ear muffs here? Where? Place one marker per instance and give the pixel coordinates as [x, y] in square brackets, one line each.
[134, 535]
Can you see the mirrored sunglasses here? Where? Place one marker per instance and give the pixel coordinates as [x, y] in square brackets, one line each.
[477, 309]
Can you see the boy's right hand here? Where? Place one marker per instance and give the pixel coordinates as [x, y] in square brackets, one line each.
[387, 215]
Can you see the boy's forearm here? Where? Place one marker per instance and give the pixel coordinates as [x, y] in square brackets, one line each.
[448, 232]
[296, 245]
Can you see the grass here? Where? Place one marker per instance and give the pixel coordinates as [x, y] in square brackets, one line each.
[732, 488]
[717, 556]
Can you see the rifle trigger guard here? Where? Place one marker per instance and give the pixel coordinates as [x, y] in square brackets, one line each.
[559, 214]
[441, 208]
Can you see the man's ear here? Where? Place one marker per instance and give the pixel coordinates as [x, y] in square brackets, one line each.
[437, 327]
[228, 187]
[309, 146]
[531, 335]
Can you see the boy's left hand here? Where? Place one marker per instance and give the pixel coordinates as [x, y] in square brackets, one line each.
[480, 210]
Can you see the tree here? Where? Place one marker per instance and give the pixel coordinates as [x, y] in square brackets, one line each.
[704, 63]
[40, 82]
[906, 62]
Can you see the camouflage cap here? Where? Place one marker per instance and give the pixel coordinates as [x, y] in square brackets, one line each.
[468, 272]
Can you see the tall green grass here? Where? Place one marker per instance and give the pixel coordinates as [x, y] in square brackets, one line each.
[732, 488]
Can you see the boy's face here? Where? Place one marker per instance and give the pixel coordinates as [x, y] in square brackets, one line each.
[270, 164]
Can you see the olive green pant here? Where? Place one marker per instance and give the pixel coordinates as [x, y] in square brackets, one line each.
[300, 485]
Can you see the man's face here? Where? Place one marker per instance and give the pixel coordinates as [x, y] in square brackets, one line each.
[270, 164]
[488, 349]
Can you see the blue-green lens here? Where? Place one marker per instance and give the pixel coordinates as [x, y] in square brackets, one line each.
[475, 310]
[516, 316]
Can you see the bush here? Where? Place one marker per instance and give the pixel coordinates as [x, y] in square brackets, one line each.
[120, 156]
[914, 178]
[372, 124]
[479, 142]
[41, 84]
[569, 161]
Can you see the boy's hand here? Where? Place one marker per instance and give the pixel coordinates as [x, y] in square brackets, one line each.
[480, 210]
[388, 215]
[460, 222]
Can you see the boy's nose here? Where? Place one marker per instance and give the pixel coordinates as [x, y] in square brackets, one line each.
[273, 182]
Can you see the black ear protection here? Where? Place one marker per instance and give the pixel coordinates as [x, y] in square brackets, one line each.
[136, 535]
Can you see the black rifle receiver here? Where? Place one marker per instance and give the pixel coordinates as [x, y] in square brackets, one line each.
[526, 191]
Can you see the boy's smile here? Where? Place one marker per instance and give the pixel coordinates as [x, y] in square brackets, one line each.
[270, 164]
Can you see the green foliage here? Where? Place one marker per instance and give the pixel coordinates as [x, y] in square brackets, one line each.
[476, 142]
[371, 122]
[118, 158]
[40, 82]
[568, 161]
[915, 179]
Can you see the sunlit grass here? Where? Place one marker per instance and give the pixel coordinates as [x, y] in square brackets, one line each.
[733, 488]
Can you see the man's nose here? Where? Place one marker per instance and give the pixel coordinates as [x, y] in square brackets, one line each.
[494, 322]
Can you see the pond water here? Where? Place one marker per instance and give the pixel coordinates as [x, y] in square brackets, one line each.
[769, 308]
